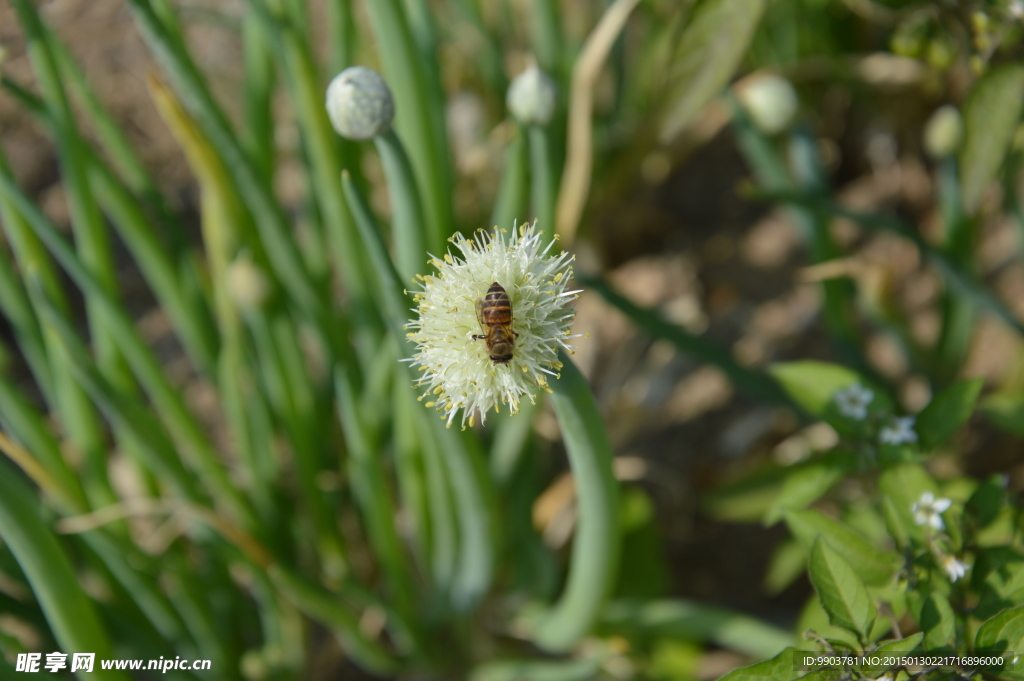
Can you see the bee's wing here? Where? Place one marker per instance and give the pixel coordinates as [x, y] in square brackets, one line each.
[480, 313]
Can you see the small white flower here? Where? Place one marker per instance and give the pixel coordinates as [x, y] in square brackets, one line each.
[899, 431]
[927, 509]
[953, 567]
[854, 400]
[458, 372]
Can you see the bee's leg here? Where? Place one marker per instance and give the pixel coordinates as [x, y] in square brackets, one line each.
[476, 337]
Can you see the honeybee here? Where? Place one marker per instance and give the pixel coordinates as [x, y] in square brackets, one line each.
[494, 311]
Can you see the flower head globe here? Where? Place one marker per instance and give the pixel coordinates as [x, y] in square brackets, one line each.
[459, 373]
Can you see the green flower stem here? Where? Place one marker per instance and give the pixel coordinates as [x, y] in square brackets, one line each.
[28, 426]
[474, 514]
[394, 303]
[367, 478]
[123, 560]
[189, 315]
[300, 412]
[66, 494]
[324, 607]
[419, 118]
[193, 605]
[91, 237]
[257, 194]
[167, 399]
[595, 551]
[79, 418]
[258, 61]
[510, 203]
[188, 312]
[249, 421]
[543, 175]
[511, 440]
[16, 307]
[408, 232]
[55, 585]
[141, 429]
[422, 488]
[341, 27]
[491, 55]
[308, 96]
[465, 474]
[547, 37]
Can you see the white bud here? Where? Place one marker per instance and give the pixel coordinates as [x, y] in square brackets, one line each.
[246, 283]
[531, 97]
[770, 101]
[359, 103]
[943, 132]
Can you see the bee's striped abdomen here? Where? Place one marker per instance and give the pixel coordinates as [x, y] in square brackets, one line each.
[496, 308]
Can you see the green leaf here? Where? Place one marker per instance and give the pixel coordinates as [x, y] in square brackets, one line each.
[936, 618]
[813, 618]
[68, 610]
[779, 668]
[786, 564]
[813, 384]
[707, 54]
[808, 481]
[874, 566]
[748, 498]
[671, 659]
[990, 119]
[986, 502]
[1006, 410]
[998, 579]
[904, 645]
[842, 593]
[680, 619]
[825, 674]
[947, 411]
[900, 488]
[1003, 633]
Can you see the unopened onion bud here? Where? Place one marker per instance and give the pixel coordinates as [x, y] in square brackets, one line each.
[943, 132]
[770, 101]
[531, 97]
[246, 283]
[359, 103]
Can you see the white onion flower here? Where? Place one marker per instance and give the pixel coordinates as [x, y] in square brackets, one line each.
[853, 401]
[927, 509]
[458, 373]
[898, 432]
